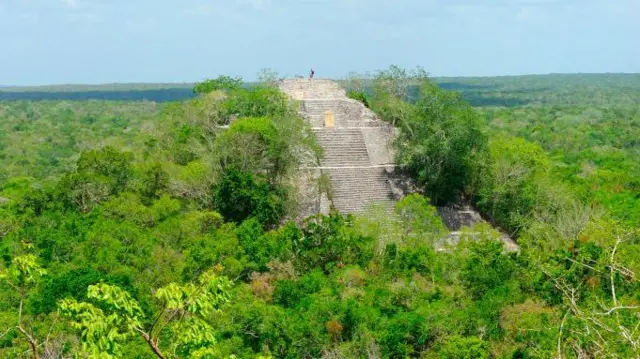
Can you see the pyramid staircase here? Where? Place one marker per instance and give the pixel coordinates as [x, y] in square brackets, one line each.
[357, 146]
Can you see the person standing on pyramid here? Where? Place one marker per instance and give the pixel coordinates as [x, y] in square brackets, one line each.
[311, 73]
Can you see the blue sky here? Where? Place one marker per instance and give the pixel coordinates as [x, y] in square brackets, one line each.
[103, 41]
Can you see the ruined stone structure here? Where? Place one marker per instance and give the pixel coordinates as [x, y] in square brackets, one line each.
[358, 164]
[456, 218]
[358, 157]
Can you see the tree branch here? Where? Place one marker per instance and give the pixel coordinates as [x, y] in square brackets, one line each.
[32, 342]
[560, 334]
[618, 308]
[152, 344]
[611, 272]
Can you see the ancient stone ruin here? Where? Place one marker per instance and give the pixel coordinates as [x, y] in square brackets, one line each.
[357, 169]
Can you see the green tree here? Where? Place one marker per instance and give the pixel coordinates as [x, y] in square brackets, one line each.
[117, 316]
[592, 280]
[109, 163]
[465, 348]
[442, 143]
[511, 190]
[220, 83]
[485, 265]
[241, 195]
[152, 181]
[331, 241]
[22, 277]
[391, 94]
[420, 220]
[99, 175]
[253, 145]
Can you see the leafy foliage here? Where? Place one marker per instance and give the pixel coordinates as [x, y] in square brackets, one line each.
[441, 143]
[241, 195]
[359, 96]
[120, 318]
[126, 244]
[217, 84]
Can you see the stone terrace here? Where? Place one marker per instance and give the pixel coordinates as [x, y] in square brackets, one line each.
[358, 151]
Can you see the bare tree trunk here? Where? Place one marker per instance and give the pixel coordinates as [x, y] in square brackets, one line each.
[155, 348]
[560, 334]
[152, 344]
[33, 343]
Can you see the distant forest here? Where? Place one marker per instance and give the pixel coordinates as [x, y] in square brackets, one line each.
[505, 91]
[145, 229]
[157, 95]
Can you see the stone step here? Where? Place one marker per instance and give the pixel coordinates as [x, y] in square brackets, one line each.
[346, 155]
[334, 163]
[334, 131]
[360, 182]
[328, 104]
[348, 142]
[358, 172]
[355, 189]
[343, 111]
[343, 147]
[318, 88]
[345, 151]
[347, 162]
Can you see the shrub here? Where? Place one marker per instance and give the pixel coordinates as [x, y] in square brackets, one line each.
[217, 84]
[359, 96]
[465, 348]
[241, 195]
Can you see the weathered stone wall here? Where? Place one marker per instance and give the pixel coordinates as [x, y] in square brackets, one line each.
[358, 148]
[379, 141]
